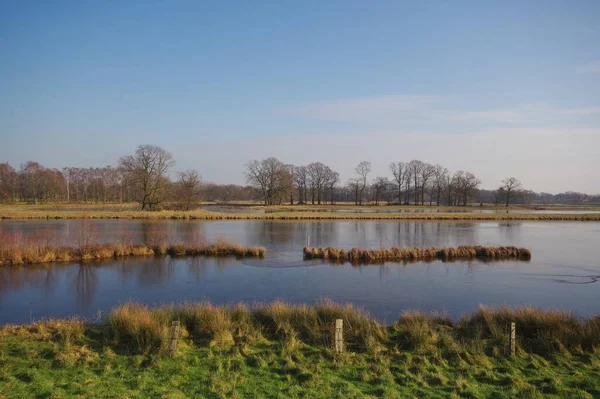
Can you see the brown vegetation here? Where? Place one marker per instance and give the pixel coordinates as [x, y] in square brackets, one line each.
[17, 250]
[414, 254]
[16, 212]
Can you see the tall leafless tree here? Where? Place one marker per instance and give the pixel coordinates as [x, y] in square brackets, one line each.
[268, 176]
[399, 170]
[509, 187]
[331, 180]
[147, 171]
[301, 180]
[318, 174]
[363, 169]
[415, 167]
[439, 177]
[189, 187]
[427, 172]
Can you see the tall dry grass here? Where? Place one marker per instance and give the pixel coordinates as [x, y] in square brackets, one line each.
[142, 329]
[414, 254]
[484, 331]
[17, 249]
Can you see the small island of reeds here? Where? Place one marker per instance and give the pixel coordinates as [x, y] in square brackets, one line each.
[416, 254]
[17, 251]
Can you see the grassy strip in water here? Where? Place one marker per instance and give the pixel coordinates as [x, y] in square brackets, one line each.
[415, 254]
[208, 215]
[281, 350]
[35, 252]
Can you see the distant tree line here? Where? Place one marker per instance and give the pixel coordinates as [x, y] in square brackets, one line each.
[147, 177]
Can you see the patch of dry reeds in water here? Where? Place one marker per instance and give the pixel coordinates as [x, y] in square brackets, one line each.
[18, 249]
[416, 254]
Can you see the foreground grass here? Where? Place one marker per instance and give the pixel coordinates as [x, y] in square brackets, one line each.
[24, 214]
[278, 350]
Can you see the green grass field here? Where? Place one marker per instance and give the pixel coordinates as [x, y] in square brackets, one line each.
[284, 351]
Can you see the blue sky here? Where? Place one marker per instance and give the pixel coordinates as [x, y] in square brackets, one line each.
[497, 88]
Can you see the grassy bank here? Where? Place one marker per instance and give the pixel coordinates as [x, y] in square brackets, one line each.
[279, 350]
[432, 208]
[415, 254]
[24, 214]
[15, 250]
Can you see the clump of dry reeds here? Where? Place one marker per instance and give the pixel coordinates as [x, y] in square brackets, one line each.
[15, 249]
[220, 248]
[415, 254]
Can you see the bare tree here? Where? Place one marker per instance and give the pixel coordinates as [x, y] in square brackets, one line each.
[268, 176]
[509, 186]
[399, 170]
[146, 171]
[363, 169]
[439, 177]
[290, 181]
[8, 183]
[189, 187]
[331, 180]
[354, 186]
[415, 167]
[380, 185]
[318, 174]
[301, 180]
[427, 172]
[466, 184]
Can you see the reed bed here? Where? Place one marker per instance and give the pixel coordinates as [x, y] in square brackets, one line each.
[18, 250]
[18, 214]
[416, 254]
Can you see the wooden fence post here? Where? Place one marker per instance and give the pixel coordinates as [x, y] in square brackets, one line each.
[173, 335]
[339, 336]
[512, 338]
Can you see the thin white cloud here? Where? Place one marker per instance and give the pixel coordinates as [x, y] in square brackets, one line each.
[369, 108]
[592, 67]
[499, 116]
[401, 111]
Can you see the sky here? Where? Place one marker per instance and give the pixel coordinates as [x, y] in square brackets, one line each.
[498, 88]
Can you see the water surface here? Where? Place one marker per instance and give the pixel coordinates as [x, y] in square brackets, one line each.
[563, 273]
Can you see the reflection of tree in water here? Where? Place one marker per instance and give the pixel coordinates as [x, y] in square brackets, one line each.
[322, 233]
[186, 232]
[155, 270]
[427, 234]
[275, 233]
[510, 230]
[16, 278]
[198, 266]
[86, 281]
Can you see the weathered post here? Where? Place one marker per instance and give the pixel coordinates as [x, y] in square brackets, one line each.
[339, 336]
[308, 241]
[512, 338]
[173, 335]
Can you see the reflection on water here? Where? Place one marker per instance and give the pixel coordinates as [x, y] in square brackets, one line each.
[563, 272]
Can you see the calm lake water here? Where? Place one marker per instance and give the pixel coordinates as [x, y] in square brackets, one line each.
[564, 271]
